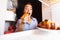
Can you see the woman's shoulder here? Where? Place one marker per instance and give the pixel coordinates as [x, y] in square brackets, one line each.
[34, 19]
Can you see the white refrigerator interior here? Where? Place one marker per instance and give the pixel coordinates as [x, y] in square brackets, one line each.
[55, 10]
[37, 34]
[2, 15]
[31, 34]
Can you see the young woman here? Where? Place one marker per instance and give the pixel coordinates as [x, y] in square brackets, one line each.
[26, 22]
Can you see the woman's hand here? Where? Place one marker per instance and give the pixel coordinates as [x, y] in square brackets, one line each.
[26, 18]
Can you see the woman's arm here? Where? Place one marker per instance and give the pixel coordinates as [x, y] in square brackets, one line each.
[19, 25]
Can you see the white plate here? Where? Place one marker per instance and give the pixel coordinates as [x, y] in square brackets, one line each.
[49, 30]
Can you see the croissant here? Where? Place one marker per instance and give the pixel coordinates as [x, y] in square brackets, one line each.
[24, 15]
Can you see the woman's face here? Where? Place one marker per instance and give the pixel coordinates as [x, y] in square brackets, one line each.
[28, 9]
